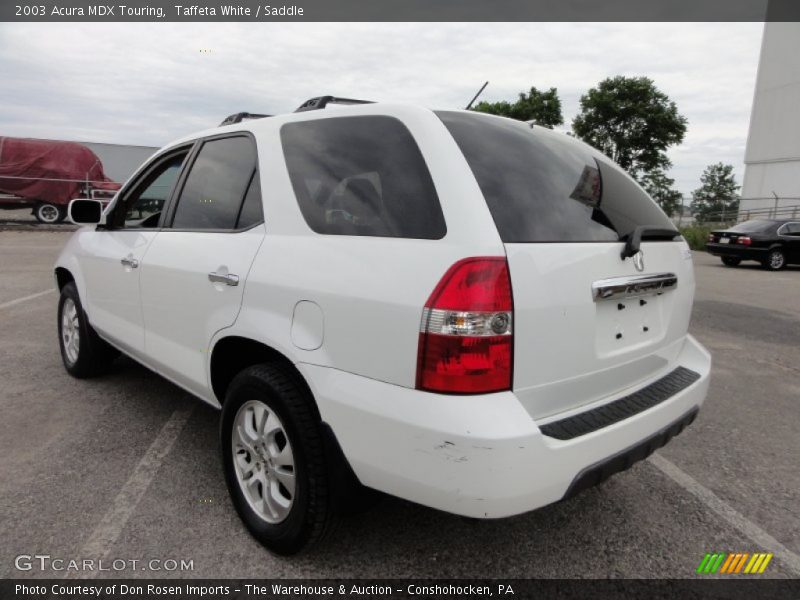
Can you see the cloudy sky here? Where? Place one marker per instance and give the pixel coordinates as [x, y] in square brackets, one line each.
[147, 83]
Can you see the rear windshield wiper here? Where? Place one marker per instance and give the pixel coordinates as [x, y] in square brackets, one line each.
[634, 239]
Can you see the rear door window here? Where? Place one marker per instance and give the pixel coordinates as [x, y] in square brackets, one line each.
[214, 194]
[362, 176]
[543, 187]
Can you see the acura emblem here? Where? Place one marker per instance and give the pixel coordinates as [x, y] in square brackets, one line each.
[638, 261]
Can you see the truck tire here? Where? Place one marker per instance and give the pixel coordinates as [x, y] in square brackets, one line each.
[49, 214]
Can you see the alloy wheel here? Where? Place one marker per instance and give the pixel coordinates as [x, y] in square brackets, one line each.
[776, 260]
[263, 461]
[70, 330]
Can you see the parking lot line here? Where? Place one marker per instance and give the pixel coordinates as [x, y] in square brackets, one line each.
[111, 525]
[24, 299]
[752, 531]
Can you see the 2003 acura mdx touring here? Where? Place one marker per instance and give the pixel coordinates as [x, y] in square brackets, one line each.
[465, 311]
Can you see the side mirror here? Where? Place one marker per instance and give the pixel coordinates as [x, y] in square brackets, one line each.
[86, 212]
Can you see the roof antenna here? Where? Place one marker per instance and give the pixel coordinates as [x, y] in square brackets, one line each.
[480, 91]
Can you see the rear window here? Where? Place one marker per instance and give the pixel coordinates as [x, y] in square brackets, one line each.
[541, 187]
[754, 226]
[361, 176]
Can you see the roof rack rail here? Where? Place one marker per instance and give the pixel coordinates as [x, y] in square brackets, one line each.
[322, 101]
[239, 117]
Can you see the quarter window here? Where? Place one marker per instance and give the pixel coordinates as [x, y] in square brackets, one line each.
[362, 176]
[215, 189]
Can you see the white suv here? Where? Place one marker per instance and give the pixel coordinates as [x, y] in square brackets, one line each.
[469, 312]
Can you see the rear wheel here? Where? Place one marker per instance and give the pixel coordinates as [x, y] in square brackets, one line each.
[83, 352]
[730, 261]
[49, 213]
[274, 461]
[775, 260]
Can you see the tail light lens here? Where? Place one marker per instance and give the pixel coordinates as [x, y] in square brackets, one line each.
[710, 237]
[744, 240]
[465, 340]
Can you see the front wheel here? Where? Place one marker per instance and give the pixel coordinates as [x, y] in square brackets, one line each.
[775, 260]
[730, 261]
[273, 456]
[49, 214]
[83, 352]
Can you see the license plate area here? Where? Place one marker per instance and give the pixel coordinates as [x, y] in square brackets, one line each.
[724, 240]
[629, 311]
[628, 323]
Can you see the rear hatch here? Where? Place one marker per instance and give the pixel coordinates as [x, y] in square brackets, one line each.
[588, 324]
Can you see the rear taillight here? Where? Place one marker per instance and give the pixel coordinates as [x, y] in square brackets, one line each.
[744, 240]
[710, 237]
[465, 340]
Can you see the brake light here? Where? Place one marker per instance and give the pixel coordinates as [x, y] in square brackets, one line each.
[710, 237]
[465, 340]
[744, 240]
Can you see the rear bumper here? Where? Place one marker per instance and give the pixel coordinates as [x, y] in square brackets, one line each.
[735, 251]
[484, 456]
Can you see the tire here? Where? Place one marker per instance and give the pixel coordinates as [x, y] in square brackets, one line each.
[49, 214]
[83, 352]
[731, 261]
[288, 506]
[775, 260]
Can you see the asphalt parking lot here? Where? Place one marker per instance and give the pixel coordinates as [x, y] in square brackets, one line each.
[85, 468]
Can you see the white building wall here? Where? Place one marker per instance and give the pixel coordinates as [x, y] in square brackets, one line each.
[772, 158]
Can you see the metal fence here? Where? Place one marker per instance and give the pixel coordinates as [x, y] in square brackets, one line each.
[781, 208]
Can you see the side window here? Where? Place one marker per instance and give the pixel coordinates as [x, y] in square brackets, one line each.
[361, 176]
[792, 229]
[215, 188]
[143, 207]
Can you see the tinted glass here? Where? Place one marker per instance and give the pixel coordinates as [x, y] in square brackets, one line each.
[757, 226]
[361, 176]
[541, 186]
[143, 208]
[252, 211]
[216, 185]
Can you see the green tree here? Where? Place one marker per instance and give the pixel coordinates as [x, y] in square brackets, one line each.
[542, 107]
[659, 186]
[632, 121]
[717, 198]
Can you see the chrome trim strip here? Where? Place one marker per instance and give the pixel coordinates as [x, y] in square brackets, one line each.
[632, 287]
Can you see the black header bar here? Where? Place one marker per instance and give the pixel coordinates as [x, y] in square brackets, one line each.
[400, 10]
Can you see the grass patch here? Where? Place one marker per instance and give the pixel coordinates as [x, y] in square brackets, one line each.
[696, 236]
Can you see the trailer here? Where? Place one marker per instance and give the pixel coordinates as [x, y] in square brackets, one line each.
[44, 175]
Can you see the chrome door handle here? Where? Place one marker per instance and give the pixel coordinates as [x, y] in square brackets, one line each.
[130, 262]
[228, 279]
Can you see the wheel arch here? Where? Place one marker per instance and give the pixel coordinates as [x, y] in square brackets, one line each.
[234, 353]
[63, 277]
